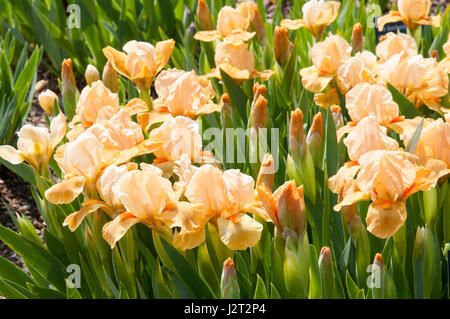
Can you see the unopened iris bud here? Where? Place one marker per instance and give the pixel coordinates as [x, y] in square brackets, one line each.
[435, 55]
[431, 200]
[357, 39]
[266, 172]
[378, 260]
[336, 111]
[229, 285]
[259, 90]
[251, 13]
[381, 281]
[282, 45]
[282, 210]
[69, 88]
[191, 30]
[91, 74]
[351, 220]
[225, 100]
[300, 163]
[297, 210]
[204, 16]
[329, 289]
[258, 116]
[314, 138]
[27, 228]
[297, 140]
[326, 260]
[353, 224]
[257, 24]
[47, 101]
[285, 207]
[426, 259]
[110, 78]
[419, 243]
[295, 270]
[68, 79]
[187, 15]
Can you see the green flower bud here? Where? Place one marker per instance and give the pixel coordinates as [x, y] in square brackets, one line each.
[314, 139]
[430, 200]
[296, 266]
[327, 273]
[427, 264]
[91, 74]
[380, 280]
[69, 90]
[229, 285]
[204, 16]
[110, 78]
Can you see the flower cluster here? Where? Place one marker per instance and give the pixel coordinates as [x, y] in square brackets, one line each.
[423, 81]
[232, 55]
[103, 140]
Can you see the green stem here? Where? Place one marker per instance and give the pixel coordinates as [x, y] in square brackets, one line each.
[146, 97]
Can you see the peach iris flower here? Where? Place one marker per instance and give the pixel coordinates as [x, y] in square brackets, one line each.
[232, 25]
[387, 178]
[185, 93]
[108, 202]
[393, 49]
[365, 99]
[317, 15]
[225, 197]
[421, 80]
[115, 130]
[36, 144]
[434, 141]
[141, 62]
[184, 170]
[96, 101]
[84, 159]
[237, 61]
[119, 132]
[357, 69]
[411, 13]
[81, 162]
[327, 56]
[180, 93]
[393, 44]
[147, 199]
[179, 135]
[368, 135]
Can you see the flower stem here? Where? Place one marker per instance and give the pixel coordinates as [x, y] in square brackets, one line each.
[146, 97]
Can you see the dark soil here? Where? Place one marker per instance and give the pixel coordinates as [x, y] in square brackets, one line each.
[15, 194]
